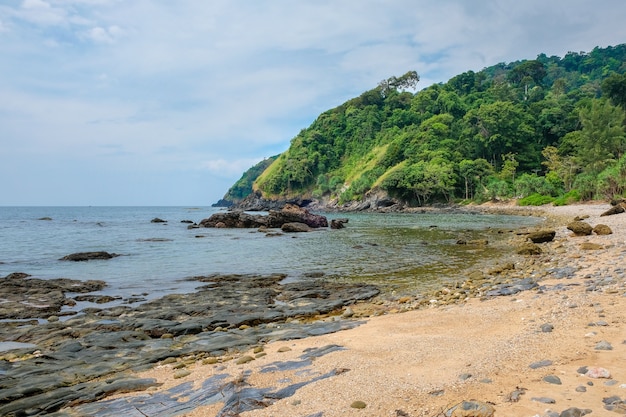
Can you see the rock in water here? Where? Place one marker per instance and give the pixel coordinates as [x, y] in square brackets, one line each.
[86, 256]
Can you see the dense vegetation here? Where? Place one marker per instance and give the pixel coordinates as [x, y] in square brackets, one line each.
[545, 130]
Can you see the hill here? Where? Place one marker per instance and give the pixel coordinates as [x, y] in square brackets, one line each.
[547, 129]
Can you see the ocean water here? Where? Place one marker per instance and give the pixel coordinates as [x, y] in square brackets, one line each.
[392, 250]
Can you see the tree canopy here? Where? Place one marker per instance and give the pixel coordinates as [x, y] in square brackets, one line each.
[550, 125]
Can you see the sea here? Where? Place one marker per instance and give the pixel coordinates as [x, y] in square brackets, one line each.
[397, 251]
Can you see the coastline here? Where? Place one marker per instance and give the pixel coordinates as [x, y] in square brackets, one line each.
[422, 362]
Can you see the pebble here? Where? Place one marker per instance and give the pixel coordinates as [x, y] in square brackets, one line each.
[544, 400]
[597, 372]
[358, 404]
[540, 364]
[552, 379]
[604, 345]
[547, 328]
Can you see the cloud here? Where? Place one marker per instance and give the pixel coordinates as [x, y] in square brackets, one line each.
[192, 87]
[105, 35]
[228, 168]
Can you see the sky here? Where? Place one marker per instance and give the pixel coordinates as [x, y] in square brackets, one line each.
[160, 102]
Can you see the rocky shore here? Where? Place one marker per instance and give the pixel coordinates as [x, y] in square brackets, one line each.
[537, 334]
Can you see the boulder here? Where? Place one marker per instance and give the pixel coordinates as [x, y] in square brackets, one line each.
[294, 214]
[157, 220]
[290, 213]
[338, 223]
[542, 236]
[616, 209]
[86, 256]
[602, 229]
[580, 228]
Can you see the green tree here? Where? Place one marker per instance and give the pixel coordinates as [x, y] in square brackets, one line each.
[601, 139]
[614, 87]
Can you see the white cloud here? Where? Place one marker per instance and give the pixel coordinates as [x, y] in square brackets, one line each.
[228, 168]
[107, 35]
[214, 87]
[41, 12]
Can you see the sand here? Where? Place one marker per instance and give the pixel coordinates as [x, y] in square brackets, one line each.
[423, 362]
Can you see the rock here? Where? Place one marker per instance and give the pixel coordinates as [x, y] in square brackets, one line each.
[544, 400]
[597, 372]
[552, 379]
[86, 256]
[574, 412]
[547, 328]
[591, 246]
[580, 228]
[542, 236]
[604, 345]
[616, 209]
[471, 409]
[358, 404]
[602, 230]
[275, 219]
[157, 220]
[540, 364]
[295, 227]
[529, 249]
[338, 223]
[45, 218]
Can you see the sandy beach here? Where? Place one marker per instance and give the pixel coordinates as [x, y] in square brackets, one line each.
[521, 355]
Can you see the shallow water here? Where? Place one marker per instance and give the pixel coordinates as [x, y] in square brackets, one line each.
[408, 250]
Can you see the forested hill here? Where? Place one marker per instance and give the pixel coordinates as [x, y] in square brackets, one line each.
[549, 129]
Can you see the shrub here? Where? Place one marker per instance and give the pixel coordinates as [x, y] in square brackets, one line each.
[568, 198]
[535, 200]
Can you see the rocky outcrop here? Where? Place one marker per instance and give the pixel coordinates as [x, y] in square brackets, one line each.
[82, 359]
[24, 297]
[275, 219]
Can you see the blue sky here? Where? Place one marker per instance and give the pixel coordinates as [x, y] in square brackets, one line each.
[155, 102]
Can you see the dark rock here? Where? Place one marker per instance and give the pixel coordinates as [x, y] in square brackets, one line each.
[580, 228]
[616, 209]
[86, 256]
[25, 297]
[542, 236]
[157, 220]
[547, 328]
[338, 223]
[552, 379]
[275, 219]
